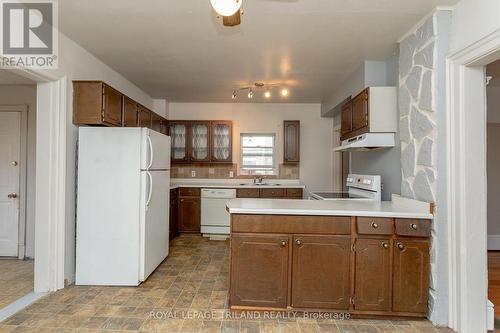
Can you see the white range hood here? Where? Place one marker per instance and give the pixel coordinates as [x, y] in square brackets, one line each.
[367, 142]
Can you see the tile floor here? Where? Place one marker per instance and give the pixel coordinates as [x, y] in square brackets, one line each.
[16, 280]
[187, 293]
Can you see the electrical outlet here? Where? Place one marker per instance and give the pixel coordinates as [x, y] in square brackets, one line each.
[193, 173]
[231, 174]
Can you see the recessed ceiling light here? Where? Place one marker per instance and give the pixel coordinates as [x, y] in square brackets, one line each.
[250, 94]
[284, 92]
[267, 94]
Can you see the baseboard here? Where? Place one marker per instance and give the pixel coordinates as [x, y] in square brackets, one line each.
[20, 304]
[494, 242]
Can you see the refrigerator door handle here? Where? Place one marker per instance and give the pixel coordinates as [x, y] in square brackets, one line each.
[150, 177]
[150, 144]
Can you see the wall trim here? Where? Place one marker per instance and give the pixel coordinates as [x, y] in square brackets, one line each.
[466, 183]
[493, 242]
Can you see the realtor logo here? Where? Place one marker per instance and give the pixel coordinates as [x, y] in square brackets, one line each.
[29, 34]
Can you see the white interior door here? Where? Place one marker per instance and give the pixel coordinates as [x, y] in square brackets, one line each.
[10, 145]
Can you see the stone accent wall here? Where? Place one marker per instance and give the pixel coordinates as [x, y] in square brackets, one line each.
[417, 123]
[417, 71]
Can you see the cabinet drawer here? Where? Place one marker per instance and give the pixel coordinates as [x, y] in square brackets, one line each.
[248, 193]
[189, 192]
[374, 225]
[273, 192]
[413, 227]
[293, 193]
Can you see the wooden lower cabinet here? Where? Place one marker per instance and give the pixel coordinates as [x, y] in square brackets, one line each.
[259, 270]
[321, 272]
[373, 272]
[174, 213]
[411, 276]
[360, 265]
[189, 215]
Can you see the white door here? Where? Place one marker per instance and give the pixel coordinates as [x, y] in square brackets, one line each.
[10, 145]
[155, 220]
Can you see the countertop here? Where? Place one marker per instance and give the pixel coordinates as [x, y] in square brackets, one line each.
[234, 183]
[399, 208]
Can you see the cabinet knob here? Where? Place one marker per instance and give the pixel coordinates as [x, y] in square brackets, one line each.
[284, 243]
[385, 245]
[400, 246]
[12, 195]
[374, 225]
[14, 163]
[298, 242]
[414, 226]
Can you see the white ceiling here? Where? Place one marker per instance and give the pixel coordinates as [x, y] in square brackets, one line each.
[179, 50]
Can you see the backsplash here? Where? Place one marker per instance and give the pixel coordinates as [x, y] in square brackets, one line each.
[221, 171]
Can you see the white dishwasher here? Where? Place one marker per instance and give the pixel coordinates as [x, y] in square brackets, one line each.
[215, 220]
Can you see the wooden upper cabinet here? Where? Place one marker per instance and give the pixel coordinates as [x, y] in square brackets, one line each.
[221, 141]
[156, 122]
[189, 216]
[291, 141]
[165, 127]
[346, 119]
[372, 286]
[373, 110]
[259, 270]
[95, 103]
[145, 117]
[179, 141]
[411, 276]
[130, 115]
[199, 134]
[360, 111]
[321, 272]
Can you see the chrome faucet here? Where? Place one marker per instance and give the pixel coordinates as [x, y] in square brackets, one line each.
[258, 180]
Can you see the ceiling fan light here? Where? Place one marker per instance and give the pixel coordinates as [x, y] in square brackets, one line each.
[226, 7]
[250, 94]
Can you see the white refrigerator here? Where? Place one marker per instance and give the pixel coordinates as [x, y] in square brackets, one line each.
[123, 196]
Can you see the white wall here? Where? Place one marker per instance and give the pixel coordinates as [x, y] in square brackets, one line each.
[493, 168]
[315, 136]
[26, 94]
[387, 162]
[473, 20]
[76, 63]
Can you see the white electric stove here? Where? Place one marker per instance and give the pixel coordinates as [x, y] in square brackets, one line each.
[359, 187]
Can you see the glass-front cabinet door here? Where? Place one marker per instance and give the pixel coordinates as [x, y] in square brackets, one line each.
[222, 141]
[179, 139]
[200, 141]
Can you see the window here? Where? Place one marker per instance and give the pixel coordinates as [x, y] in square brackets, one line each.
[257, 154]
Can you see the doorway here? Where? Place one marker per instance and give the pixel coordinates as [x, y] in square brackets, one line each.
[17, 187]
[493, 174]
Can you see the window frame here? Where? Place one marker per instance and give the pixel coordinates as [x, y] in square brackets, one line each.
[262, 170]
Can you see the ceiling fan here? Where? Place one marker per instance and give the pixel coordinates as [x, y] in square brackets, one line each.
[230, 10]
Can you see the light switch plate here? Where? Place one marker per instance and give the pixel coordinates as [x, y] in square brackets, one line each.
[193, 173]
[231, 174]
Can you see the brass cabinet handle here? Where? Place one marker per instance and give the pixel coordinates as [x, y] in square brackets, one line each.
[385, 245]
[400, 246]
[284, 243]
[298, 242]
[374, 225]
[414, 226]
